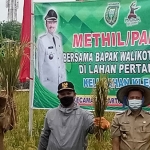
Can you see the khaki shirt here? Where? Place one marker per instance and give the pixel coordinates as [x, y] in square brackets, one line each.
[134, 132]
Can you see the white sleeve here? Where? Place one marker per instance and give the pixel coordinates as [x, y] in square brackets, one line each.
[40, 58]
[63, 72]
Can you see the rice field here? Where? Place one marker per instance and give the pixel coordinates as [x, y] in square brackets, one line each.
[19, 139]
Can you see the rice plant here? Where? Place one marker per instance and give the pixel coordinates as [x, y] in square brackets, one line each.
[100, 101]
[11, 53]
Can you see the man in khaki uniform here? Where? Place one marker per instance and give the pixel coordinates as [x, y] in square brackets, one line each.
[130, 130]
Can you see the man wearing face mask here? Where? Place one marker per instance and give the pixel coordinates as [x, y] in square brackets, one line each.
[130, 130]
[66, 127]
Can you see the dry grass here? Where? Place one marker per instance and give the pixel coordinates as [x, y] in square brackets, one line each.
[18, 138]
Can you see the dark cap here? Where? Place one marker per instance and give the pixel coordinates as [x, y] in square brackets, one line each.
[65, 86]
[51, 15]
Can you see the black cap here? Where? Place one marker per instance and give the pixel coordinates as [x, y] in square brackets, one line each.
[66, 85]
[51, 15]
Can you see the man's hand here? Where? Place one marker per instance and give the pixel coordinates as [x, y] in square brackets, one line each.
[102, 123]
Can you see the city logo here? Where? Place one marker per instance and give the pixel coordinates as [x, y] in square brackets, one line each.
[112, 13]
[132, 18]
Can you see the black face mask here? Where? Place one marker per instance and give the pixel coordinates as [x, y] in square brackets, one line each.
[67, 101]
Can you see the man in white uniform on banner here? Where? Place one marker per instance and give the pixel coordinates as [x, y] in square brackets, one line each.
[50, 65]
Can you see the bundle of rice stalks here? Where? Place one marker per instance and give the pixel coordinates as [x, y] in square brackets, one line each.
[100, 101]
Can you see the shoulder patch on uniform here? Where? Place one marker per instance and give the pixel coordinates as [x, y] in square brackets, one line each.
[57, 36]
[42, 36]
[120, 113]
[147, 112]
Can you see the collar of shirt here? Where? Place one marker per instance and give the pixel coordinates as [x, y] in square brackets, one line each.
[129, 112]
[50, 35]
[68, 110]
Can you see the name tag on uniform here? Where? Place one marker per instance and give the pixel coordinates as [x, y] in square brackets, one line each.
[126, 122]
[50, 47]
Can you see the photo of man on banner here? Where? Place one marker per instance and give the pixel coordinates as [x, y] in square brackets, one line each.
[50, 66]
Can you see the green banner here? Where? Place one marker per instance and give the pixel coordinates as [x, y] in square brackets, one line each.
[93, 37]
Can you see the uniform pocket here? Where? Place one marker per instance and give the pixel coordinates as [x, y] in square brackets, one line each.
[125, 131]
[145, 129]
[144, 132]
[50, 54]
[125, 128]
